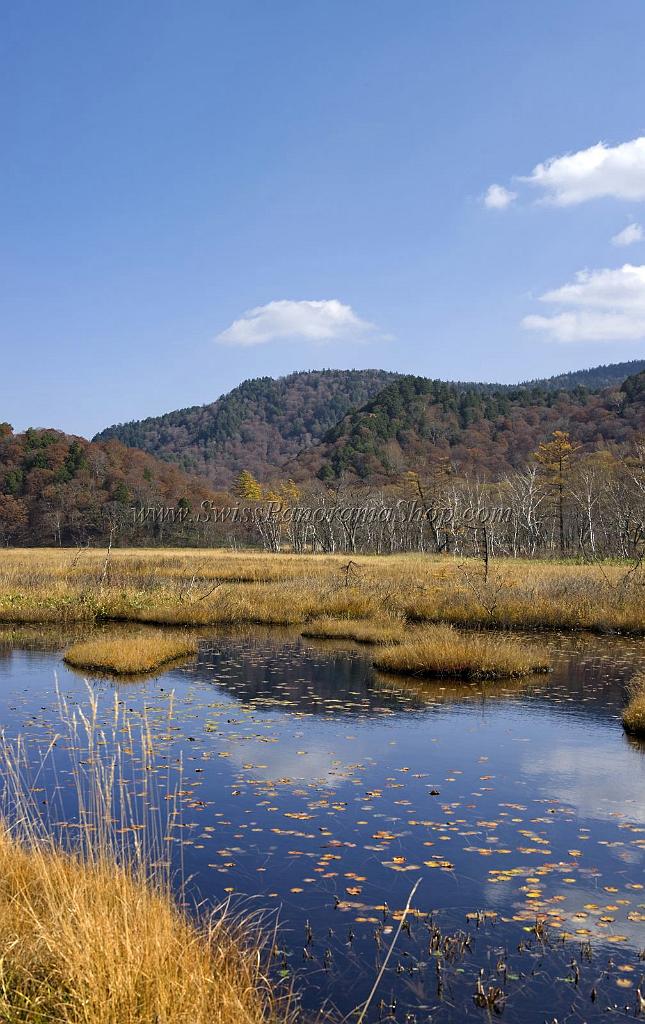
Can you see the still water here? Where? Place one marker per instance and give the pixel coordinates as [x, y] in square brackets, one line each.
[320, 791]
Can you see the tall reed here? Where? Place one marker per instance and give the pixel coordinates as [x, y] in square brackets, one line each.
[89, 928]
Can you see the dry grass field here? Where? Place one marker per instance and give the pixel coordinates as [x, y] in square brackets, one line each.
[210, 587]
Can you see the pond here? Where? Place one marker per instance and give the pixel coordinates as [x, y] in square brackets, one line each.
[322, 792]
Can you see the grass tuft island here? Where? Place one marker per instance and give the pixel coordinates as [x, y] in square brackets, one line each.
[130, 655]
[442, 651]
[634, 713]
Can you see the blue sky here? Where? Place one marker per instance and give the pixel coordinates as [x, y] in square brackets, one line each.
[168, 167]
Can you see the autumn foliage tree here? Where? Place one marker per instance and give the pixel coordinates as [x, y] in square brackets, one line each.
[554, 458]
[246, 486]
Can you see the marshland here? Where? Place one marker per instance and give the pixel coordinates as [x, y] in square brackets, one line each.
[322, 687]
[334, 732]
[197, 587]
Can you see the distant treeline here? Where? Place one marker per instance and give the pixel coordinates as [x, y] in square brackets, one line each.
[565, 498]
[563, 503]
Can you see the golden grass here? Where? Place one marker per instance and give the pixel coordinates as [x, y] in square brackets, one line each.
[209, 587]
[90, 931]
[128, 655]
[634, 713]
[380, 631]
[444, 652]
[87, 942]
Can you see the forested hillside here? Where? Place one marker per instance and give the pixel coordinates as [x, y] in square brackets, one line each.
[57, 489]
[257, 426]
[372, 422]
[594, 379]
[415, 423]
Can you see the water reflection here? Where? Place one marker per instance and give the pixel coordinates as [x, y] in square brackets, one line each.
[324, 791]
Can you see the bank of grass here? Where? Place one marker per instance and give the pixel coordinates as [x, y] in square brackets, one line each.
[130, 655]
[205, 587]
[90, 930]
[379, 631]
[86, 942]
[443, 652]
[634, 713]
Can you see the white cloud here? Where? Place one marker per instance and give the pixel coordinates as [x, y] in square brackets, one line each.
[603, 289]
[317, 767]
[577, 775]
[603, 305]
[600, 170]
[498, 198]
[632, 233]
[309, 320]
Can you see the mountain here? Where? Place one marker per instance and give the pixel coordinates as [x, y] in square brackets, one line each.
[258, 426]
[415, 423]
[328, 421]
[594, 379]
[58, 489]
